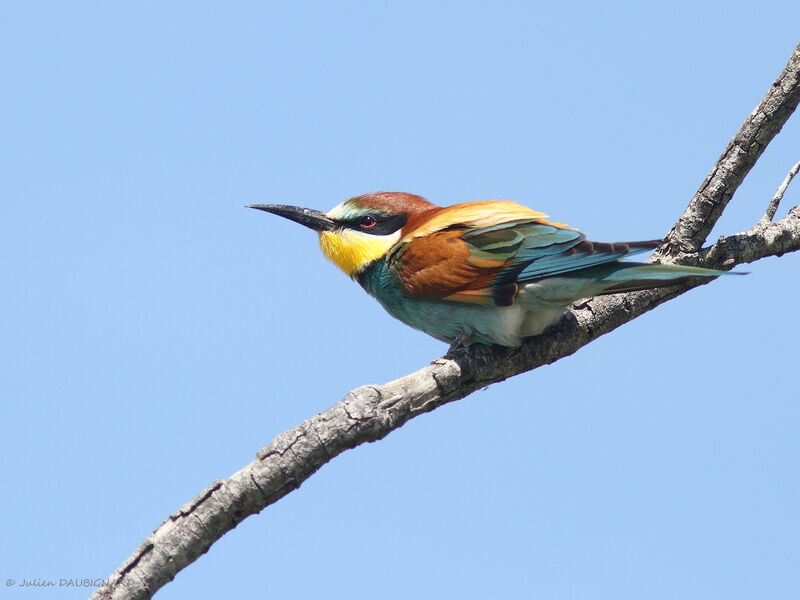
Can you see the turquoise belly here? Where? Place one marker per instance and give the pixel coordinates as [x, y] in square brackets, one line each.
[441, 319]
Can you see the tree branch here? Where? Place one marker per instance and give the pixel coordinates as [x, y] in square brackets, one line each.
[769, 214]
[762, 240]
[371, 412]
[742, 152]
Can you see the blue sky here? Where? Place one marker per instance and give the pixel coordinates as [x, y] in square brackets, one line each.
[156, 334]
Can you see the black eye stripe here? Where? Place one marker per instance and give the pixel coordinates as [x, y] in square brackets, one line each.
[383, 224]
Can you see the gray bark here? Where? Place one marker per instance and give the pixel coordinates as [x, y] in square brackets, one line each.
[371, 412]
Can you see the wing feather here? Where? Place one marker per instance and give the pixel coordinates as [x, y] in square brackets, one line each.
[441, 265]
[479, 252]
[580, 256]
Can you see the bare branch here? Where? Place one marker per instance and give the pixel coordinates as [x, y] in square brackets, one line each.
[764, 239]
[742, 152]
[369, 413]
[776, 199]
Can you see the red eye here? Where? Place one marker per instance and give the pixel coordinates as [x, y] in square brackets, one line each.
[367, 221]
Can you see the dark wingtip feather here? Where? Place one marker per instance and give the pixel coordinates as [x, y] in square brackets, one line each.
[645, 244]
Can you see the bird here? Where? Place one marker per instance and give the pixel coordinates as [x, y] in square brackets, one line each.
[488, 272]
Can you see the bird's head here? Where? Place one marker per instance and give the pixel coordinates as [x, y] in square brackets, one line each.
[362, 229]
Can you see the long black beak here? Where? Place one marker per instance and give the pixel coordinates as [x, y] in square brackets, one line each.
[316, 220]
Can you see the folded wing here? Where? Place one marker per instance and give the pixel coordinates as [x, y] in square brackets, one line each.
[480, 260]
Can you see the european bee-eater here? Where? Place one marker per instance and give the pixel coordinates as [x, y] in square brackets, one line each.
[489, 272]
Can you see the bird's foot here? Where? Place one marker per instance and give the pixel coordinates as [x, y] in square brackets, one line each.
[458, 346]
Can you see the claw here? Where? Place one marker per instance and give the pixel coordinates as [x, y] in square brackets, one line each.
[458, 345]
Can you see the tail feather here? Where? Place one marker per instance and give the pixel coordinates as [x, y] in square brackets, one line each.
[631, 277]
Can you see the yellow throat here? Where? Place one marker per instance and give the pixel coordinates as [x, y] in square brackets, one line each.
[351, 250]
